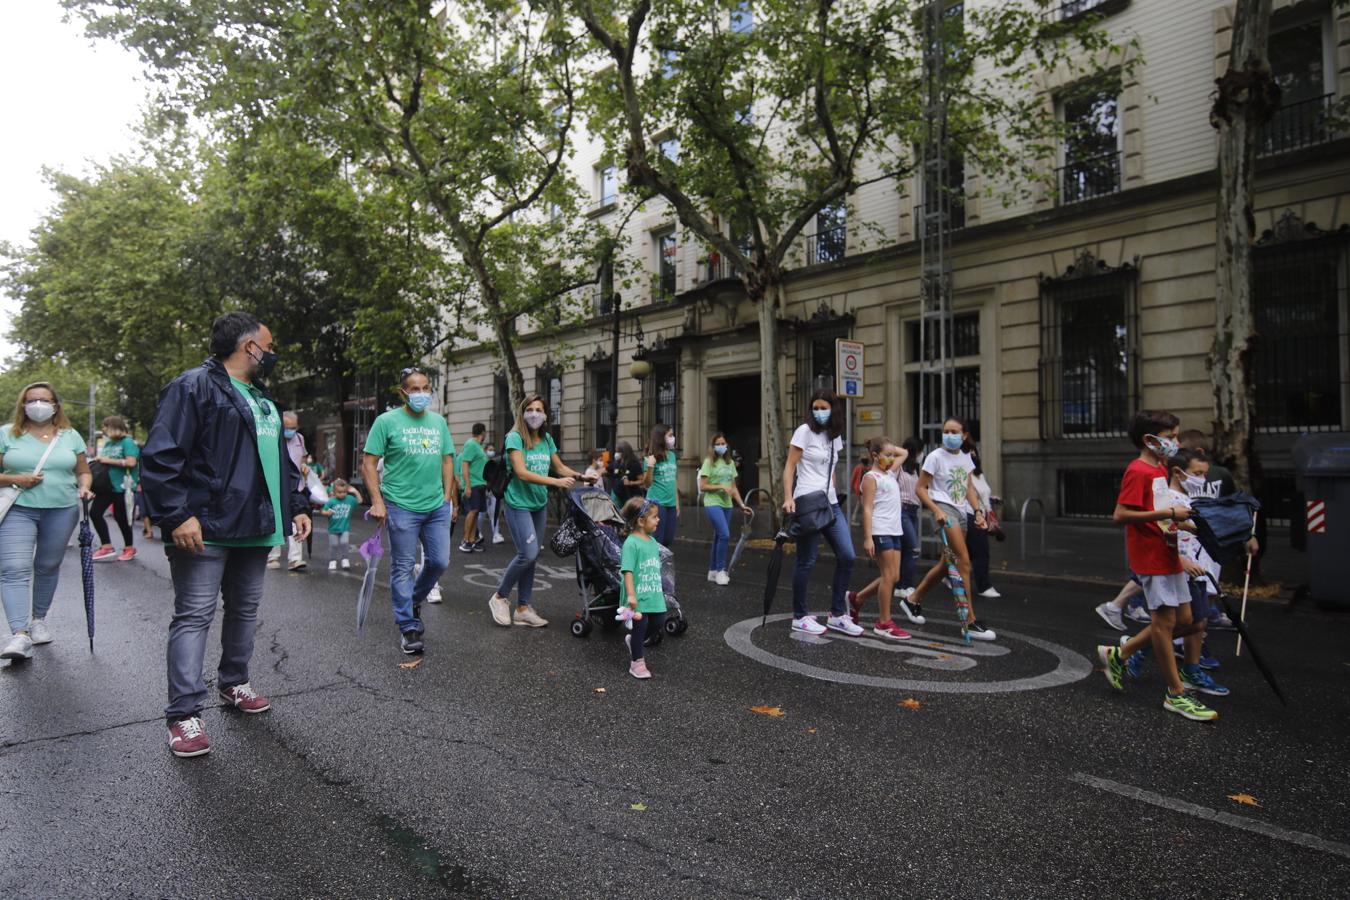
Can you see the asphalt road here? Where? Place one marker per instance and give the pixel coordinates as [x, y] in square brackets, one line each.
[498, 767]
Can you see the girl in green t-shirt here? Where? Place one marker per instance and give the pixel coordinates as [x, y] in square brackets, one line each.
[640, 563]
[535, 467]
[717, 484]
[659, 480]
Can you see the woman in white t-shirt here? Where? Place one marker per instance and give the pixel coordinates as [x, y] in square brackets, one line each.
[813, 455]
[946, 490]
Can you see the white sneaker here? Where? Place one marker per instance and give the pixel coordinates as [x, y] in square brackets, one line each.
[434, 595]
[903, 593]
[845, 624]
[501, 610]
[527, 616]
[990, 594]
[723, 577]
[38, 631]
[20, 646]
[332, 565]
[712, 575]
[346, 564]
[1137, 614]
[1111, 616]
[497, 539]
[808, 624]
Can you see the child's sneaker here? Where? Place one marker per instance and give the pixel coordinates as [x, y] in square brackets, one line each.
[1194, 678]
[1221, 622]
[889, 629]
[844, 625]
[913, 611]
[1111, 616]
[639, 669]
[1189, 708]
[1111, 666]
[1208, 662]
[980, 631]
[1138, 614]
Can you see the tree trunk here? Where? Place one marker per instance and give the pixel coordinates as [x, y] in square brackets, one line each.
[1245, 99]
[766, 306]
[506, 350]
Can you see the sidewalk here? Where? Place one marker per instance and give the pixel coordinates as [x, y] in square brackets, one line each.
[1082, 551]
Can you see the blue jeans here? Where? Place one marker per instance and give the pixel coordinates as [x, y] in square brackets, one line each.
[842, 544]
[665, 529]
[199, 581]
[720, 517]
[909, 546]
[406, 530]
[527, 528]
[32, 545]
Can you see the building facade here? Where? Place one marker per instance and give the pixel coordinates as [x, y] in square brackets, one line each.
[1088, 298]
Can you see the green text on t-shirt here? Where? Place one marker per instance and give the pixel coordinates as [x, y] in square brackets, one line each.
[413, 447]
[642, 556]
[267, 421]
[538, 459]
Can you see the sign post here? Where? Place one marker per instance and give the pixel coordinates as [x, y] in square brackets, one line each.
[848, 379]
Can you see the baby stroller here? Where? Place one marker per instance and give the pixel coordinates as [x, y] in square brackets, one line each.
[590, 532]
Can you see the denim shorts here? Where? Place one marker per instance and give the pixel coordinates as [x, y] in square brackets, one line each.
[951, 512]
[886, 541]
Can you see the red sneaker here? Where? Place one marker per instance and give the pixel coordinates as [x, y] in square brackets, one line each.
[128, 553]
[854, 605]
[245, 699]
[187, 737]
[889, 629]
[103, 554]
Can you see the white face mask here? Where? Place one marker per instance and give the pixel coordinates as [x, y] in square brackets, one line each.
[535, 420]
[39, 410]
[1193, 484]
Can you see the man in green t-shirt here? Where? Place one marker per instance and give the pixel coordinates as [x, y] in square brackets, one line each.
[472, 459]
[218, 484]
[413, 497]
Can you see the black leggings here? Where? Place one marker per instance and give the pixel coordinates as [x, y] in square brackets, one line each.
[653, 621]
[100, 509]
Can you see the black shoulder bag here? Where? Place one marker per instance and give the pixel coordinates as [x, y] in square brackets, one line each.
[814, 510]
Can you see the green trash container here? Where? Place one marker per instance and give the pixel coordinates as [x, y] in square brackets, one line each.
[1322, 462]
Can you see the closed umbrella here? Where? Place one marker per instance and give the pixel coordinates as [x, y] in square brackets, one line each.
[371, 550]
[1245, 635]
[746, 524]
[775, 568]
[87, 570]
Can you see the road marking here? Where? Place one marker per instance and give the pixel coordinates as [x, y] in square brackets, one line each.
[483, 576]
[1070, 667]
[1302, 838]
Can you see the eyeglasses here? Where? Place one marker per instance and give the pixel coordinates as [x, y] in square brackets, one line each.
[411, 370]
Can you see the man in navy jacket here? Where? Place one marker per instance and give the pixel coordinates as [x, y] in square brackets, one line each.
[219, 483]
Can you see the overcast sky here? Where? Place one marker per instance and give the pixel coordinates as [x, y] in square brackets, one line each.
[67, 102]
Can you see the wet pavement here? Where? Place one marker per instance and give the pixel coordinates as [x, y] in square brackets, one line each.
[518, 762]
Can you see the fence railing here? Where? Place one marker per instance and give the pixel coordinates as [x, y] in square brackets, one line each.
[826, 246]
[1297, 125]
[1084, 179]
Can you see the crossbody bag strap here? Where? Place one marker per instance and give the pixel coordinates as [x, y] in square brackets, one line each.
[50, 447]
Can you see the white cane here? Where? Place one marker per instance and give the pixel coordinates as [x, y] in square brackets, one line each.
[1246, 582]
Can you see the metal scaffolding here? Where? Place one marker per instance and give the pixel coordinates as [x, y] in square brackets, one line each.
[936, 364]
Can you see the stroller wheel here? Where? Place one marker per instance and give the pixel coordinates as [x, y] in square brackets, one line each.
[581, 627]
[681, 627]
[653, 638]
[673, 626]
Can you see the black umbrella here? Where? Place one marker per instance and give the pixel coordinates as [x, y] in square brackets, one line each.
[87, 570]
[775, 568]
[1246, 636]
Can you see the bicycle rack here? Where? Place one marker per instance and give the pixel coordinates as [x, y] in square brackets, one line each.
[1026, 504]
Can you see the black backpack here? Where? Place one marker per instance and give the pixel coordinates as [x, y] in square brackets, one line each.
[497, 474]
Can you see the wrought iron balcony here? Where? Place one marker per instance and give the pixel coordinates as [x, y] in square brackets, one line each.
[1297, 125]
[826, 246]
[1085, 179]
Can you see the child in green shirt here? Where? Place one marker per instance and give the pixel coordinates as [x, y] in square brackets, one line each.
[641, 567]
[338, 510]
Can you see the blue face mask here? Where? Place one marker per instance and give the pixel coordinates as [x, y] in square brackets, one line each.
[952, 441]
[419, 402]
[289, 432]
[720, 449]
[822, 416]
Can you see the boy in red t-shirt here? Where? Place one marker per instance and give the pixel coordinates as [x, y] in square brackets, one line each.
[1152, 552]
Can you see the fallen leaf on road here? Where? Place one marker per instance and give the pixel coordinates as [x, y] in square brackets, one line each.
[943, 656]
[810, 731]
[936, 646]
[600, 690]
[638, 807]
[1245, 800]
[410, 665]
[910, 703]
[775, 712]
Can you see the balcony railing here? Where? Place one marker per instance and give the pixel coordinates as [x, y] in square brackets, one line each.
[1297, 125]
[1085, 179]
[1068, 10]
[826, 246]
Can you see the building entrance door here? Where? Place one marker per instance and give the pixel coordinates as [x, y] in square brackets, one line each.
[738, 417]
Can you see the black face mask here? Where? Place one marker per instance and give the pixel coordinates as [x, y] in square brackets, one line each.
[266, 363]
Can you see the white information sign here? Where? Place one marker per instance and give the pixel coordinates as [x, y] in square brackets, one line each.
[849, 368]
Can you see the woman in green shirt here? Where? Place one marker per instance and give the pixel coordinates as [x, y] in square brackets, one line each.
[717, 485]
[662, 465]
[535, 467]
[35, 531]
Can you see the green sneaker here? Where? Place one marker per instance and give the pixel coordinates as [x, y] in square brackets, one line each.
[1112, 667]
[1192, 709]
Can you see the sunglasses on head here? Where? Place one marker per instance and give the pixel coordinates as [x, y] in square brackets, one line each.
[411, 370]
